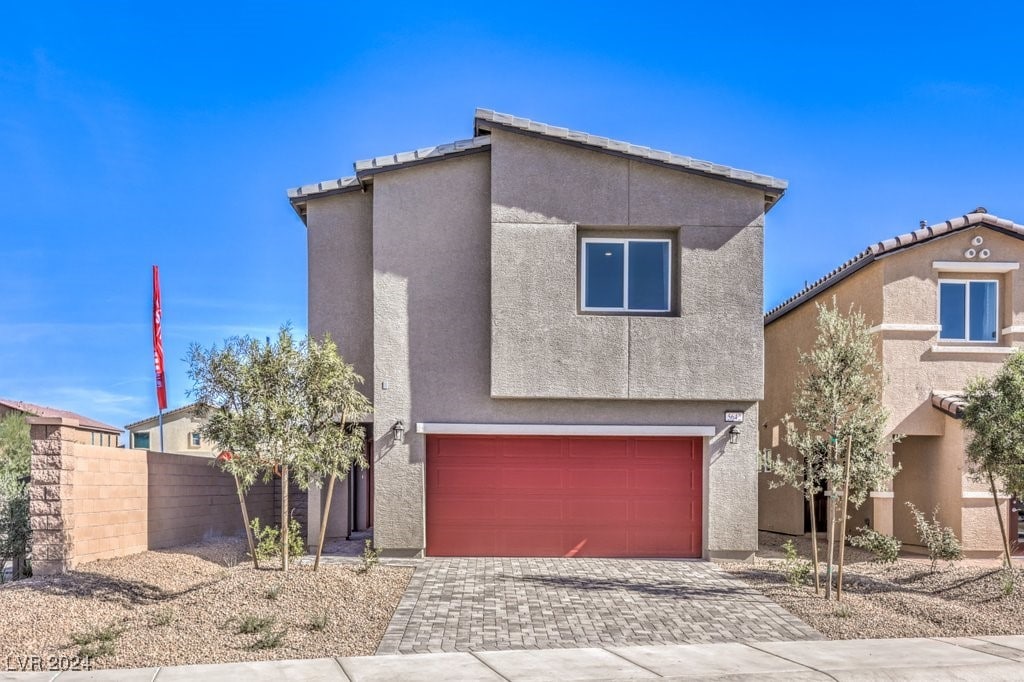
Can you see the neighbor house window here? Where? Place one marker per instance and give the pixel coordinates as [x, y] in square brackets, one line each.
[968, 310]
[626, 275]
[140, 440]
[193, 439]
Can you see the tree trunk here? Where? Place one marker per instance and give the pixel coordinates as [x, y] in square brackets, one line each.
[999, 517]
[814, 545]
[846, 512]
[245, 520]
[323, 522]
[284, 517]
[831, 543]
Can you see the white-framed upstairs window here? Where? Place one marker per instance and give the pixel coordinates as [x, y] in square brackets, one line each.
[625, 275]
[969, 310]
[194, 439]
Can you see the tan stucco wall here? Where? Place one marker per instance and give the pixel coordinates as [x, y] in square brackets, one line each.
[542, 194]
[902, 289]
[177, 428]
[781, 510]
[432, 330]
[911, 297]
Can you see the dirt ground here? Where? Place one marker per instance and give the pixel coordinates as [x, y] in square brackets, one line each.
[200, 604]
[905, 599]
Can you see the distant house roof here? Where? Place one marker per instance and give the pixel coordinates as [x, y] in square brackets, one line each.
[52, 412]
[169, 413]
[486, 120]
[898, 243]
[951, 403]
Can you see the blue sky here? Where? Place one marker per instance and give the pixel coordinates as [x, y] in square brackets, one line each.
[141, 133]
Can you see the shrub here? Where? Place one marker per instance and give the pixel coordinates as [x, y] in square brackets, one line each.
[96, 643]
[886, 548]
[250, 625]
[371, 557]
[940, 540]
[268, 540]
[319, 622]
[268, 640]
[797, 570]
[273, 592]
[1009, 580]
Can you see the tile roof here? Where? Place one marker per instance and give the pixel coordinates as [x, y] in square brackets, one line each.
[949, 402]
[926, 233]
[486, 118]
[168, 413]
[52, 412]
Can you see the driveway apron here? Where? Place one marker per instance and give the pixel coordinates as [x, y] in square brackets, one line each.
[487, 604]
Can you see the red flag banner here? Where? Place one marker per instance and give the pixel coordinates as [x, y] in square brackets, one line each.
[158, 343]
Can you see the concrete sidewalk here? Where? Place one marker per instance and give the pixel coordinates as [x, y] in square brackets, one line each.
[981, 658]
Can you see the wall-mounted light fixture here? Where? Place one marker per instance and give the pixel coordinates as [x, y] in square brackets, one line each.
[734, 434]
[399, 430]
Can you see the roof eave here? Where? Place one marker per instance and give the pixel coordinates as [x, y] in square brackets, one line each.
[773, 188]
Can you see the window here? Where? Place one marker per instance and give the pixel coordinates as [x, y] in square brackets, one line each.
[968, 310]
[194, 440]
[626, 275]
[140, 440]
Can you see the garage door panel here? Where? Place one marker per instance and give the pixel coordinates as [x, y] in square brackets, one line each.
[529, 479]
[592, 448]
[591, 511]
[598, 479]
[662, 479]
[540, 511]
[550, 496]
[481, 509]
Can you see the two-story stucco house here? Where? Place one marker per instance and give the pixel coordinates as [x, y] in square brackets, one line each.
[946, 303]
[180, 433]
[553, 327]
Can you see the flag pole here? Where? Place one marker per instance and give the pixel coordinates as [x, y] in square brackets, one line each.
[161, 430]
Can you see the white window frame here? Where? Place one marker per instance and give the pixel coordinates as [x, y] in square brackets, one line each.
[192, 435]
[625, 274]
[967, 309]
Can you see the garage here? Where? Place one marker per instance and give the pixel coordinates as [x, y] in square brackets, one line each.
[557, 496]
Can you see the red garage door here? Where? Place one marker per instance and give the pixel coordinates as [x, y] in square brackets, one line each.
[554, 496]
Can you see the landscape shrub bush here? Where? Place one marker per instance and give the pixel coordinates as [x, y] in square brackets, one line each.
[940, 540]
[886, 548]
[797, 570]
[268, 543]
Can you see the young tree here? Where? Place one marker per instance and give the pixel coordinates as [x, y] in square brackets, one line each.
[994, 413]
[279, 408]
[15, 468]
[330, 399]
[838, 423]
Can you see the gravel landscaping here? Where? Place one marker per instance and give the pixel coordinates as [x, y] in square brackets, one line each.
[905, 599]
[200, 604]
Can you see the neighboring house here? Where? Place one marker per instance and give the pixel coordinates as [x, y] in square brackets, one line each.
[553, 328]
[181, 433]
[946, 303]
[73, 427]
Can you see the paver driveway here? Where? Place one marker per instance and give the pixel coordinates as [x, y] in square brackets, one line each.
[488, 604]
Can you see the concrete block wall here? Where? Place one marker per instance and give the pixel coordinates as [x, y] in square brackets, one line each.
[94, 502]
[190, 500]
[110, 497]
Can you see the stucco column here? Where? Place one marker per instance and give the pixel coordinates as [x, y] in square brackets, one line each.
[879, 510]
[730, 490]
[51, 502]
